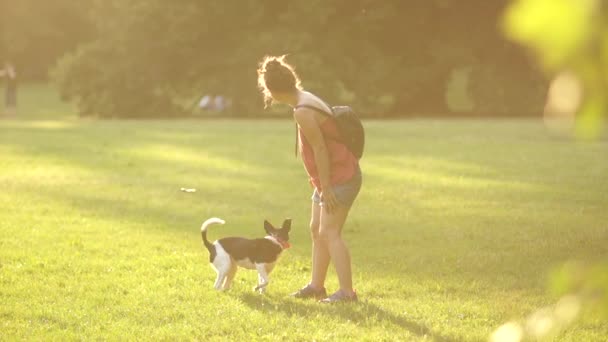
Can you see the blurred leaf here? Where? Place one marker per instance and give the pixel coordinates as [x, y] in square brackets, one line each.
[590, 118]
[589, 282]
[555, 29]
[568, 35]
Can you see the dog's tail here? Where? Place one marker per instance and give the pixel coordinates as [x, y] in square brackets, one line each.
[206, 224]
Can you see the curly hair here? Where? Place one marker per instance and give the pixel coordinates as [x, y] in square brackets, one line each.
[276, 75]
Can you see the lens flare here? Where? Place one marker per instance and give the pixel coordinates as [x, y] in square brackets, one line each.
[563, 101]
[541, 323]
[567, 309]
[508, 332]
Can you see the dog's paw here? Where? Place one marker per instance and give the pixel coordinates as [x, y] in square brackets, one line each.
[260, 288]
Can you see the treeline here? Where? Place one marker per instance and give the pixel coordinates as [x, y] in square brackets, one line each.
[34, 34]
[155, 58]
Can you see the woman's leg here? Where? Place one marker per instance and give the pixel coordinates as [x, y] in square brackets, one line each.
[320, 254]
[330, 232]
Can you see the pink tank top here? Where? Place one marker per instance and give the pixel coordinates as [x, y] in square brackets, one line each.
[342, 163]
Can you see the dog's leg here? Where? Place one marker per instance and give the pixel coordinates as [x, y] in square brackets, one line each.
[263, 279]
[230, 276]
[222, 266]
[260, 281]
[221, 275]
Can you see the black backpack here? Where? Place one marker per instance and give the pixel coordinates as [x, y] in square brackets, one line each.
[349, 126]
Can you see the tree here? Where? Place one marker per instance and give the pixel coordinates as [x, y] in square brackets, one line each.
[34, 34]
[155, 58]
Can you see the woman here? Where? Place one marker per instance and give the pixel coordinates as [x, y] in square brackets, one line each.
[334, 173]
[10, 98]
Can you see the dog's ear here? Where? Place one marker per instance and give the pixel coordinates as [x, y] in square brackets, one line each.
[287, 224]
[268, 227]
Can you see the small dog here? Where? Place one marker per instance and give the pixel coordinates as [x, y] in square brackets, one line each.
[256, 254]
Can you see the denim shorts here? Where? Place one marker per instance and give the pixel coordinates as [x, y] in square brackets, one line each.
[345, 192]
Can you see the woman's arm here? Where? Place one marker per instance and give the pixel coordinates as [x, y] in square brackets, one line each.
[306, 119]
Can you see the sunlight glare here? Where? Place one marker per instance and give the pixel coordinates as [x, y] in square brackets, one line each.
[567, 309]
[541, 323]
[508, 332]
[563, 101]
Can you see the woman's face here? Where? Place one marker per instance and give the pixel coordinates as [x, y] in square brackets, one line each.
[280, 97]
[288, 98]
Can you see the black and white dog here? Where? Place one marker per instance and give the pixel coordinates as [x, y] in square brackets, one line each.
[257, 254]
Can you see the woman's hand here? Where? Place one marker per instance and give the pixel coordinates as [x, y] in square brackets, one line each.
[329, 200]
[308, 121]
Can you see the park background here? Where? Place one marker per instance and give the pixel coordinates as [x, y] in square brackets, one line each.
[387, 59]
[486, 214]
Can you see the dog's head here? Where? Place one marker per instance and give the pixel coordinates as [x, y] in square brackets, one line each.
[281, 234]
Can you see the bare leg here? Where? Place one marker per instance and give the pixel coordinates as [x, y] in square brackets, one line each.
[320, 253]
[331, 232]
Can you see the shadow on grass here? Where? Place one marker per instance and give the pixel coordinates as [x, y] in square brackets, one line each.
[362, 313]
[152, 160]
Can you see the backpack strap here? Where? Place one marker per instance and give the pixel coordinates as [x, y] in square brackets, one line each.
[316, 109]
[297, 141]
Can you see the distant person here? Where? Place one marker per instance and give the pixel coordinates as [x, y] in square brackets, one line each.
[214, 103]
[219, 103]
[333, 171]
[206, 102]
[10, 93]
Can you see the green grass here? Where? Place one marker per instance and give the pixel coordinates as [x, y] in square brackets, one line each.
[39, 101]
[455, 232]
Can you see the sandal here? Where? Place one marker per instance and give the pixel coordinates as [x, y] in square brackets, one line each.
[310, 292]
[339, 296]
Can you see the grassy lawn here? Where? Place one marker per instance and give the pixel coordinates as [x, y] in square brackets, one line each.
[456, 230]
[39, 101]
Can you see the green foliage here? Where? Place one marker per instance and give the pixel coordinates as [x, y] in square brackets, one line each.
[455, 231]
[495, 92]
[588, 281]
[124, 90]
[558, 30]
[385, 58]
[34, 34]
[457, 91]
[570, 35]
